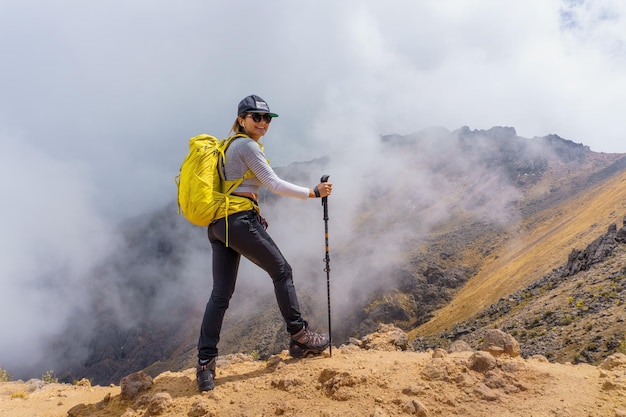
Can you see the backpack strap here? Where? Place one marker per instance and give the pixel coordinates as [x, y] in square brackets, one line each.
[222, 161]
[224, 144]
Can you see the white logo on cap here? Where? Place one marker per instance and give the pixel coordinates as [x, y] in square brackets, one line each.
[262, 105]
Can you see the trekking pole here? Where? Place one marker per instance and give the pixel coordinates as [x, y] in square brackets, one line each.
[327, 268]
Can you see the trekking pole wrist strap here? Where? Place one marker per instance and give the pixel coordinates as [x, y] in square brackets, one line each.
[317, 192]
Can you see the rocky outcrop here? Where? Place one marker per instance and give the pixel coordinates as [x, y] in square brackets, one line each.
[597, 251]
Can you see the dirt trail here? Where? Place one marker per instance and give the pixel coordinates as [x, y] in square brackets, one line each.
[354, 382]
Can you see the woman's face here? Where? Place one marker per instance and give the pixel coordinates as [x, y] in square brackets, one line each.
[256, 124]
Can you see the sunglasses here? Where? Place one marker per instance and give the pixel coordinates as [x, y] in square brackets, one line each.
[258, 116]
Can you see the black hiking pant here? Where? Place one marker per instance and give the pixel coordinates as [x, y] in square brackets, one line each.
[247, 237]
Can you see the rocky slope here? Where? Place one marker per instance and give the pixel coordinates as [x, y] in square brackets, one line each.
[575, 313]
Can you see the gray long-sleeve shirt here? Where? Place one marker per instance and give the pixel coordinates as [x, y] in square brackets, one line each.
[245, 153]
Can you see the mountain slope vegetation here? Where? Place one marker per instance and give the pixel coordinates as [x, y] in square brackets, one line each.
[542, 242]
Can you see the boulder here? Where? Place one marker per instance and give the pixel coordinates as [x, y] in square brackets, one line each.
[497, 342]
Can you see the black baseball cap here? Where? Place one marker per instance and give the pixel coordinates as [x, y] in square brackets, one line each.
[254, 104]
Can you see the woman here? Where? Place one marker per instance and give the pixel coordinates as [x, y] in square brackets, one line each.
[247, 237]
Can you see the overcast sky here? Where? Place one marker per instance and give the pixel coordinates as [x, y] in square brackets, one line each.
[99, 98]
[113, 89]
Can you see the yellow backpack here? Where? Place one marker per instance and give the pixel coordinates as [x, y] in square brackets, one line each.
[203, 193]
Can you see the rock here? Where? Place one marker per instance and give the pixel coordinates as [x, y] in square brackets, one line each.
[274, 362]
[435, 371]
[511, 366]
[415, 407]
[494, 350]
[465, 380]
[340, 387]
[133, 384]
[286, 384]
[77, 410]
[485, 393]
[481, 362]
[459, 346]
[497, 339]
[281, 408]
[616, 360]
[129, 413]
[199, 408]
[440, 353]
[596, 251]
[159, 403]
[620, 235]
[141, 401]
[326, 375]
[413, 390]
[35, 384]
[387, 337]
[620, 413]
[84, 383]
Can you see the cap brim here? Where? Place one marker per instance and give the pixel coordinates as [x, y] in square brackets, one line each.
[262, 111]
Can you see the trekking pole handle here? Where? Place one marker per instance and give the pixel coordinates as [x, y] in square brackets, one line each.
[325, 199]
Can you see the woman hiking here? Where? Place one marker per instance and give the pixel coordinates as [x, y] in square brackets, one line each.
[245, 235]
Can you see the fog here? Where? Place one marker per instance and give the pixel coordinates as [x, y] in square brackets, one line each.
[98, 100]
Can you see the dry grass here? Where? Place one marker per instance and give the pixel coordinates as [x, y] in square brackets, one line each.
[543, 242]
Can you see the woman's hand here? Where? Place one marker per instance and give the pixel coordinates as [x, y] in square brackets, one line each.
[323, 189]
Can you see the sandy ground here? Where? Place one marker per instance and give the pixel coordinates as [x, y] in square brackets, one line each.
[353, 382]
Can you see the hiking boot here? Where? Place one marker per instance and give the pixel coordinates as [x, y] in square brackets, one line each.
[307, 342]
[205, 375]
